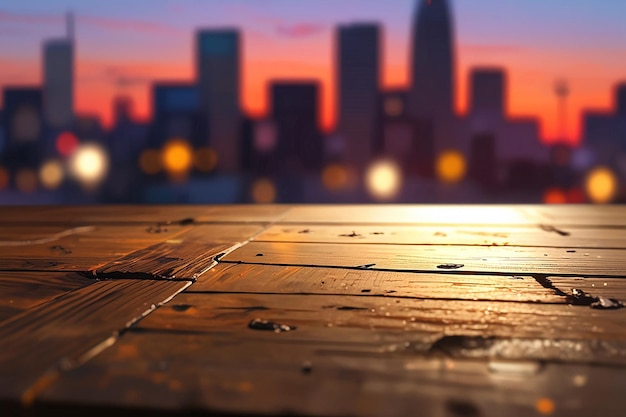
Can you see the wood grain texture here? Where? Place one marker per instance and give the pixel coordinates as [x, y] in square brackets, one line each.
[597, 287]
[490, 260]
[197, 374]
[306, 280]
[24, 290]
[504, 235]
[60, 333]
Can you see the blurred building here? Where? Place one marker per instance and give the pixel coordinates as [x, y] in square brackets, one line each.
[358, 63]
[218, 66]
[487, 97]
[432, 72]
[177, 113]
[295, 114]
[604, 133]
[58, 80]
[23, 122]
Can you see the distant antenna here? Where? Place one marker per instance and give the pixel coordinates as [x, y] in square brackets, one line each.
[561, 89]
[69, 22]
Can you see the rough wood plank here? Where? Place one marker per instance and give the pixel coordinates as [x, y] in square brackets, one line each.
[306, 280]
[24, 290]
[66, 331]
[536, 236]
[584, 215]
[174, 374]
[186, 256]
[597, 287]
[474, 259]
[415, 214]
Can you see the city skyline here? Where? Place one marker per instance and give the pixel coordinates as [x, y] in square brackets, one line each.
[292, 36]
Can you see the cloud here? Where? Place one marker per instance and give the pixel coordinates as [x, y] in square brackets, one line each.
[299, 30]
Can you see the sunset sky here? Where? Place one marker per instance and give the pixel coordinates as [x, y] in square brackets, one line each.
[123, 45]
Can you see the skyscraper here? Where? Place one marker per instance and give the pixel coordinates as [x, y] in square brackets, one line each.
[218, 74]
[432, 70]
[488, 91]
[358, 77]
[295, 112]
[58, 79]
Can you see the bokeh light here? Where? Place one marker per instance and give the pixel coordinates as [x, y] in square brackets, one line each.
[26, 124]
[545, 406]
[263, 191]
[393, 106]
[150, 161]
[4, 178]
[51, 174]
[205, 159]
[177, 157]
[576, 196]
[451, 166]
[26, 181]
[383, 179]
[335, 177]
[66, 143]
[555, 196]
[89, 164]
[601, 185]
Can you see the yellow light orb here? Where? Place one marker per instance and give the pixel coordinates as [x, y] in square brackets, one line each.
[89, 164]
[383, 179]
[335, 177]
[150, 161]
[177, 157]
[26, 181]
[263, 191]
[51, 174]
[451, 166]
[205, 159]
[601, 185]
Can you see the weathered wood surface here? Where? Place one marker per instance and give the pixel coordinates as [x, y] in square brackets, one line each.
[270, 279]
[476, 259]
[385, 320]
[532, 236]
[21, 291]
[68, 330]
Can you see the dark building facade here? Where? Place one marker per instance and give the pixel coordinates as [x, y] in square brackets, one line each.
[23, 126]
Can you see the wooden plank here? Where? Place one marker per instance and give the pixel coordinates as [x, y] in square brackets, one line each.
[68, 330]
[379, 323]
[504, 235]
[75, 248]
[584, 215]
[306, 280]
[442, 259]
[146, 214]
[185, 257]
[597, 287]
[415, 214]
[24, 290]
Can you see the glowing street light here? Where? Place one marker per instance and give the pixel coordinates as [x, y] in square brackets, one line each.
[177, 157]
[383, 179]
[451, 166]
[601, 185]
[89, 164]
[51, 174]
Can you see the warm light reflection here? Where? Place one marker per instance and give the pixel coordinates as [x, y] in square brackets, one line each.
[601, 185]
[451, 166]
[51, 174]
[393, 106]
[66, 143]
[263, 191]
[554, 196]
[89, 164]
[177, 157]
[26, 181]
[4, 178]
[150, 161]
[205, 159]
[383, 179]
[335, 177]
[545, 406]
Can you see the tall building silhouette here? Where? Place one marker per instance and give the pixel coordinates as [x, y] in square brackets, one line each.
[218, 66]
[488, 93]
[58, 79]
[295, 112]
[23, 122]
[358, 61]
[176, 108]
[432, 72]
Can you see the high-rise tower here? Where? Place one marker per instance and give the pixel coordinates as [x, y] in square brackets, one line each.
[218, 56]
[432, 92]
[58, 74]
[358, 77]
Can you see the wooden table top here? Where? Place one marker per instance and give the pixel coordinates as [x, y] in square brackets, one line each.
[313, 310]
